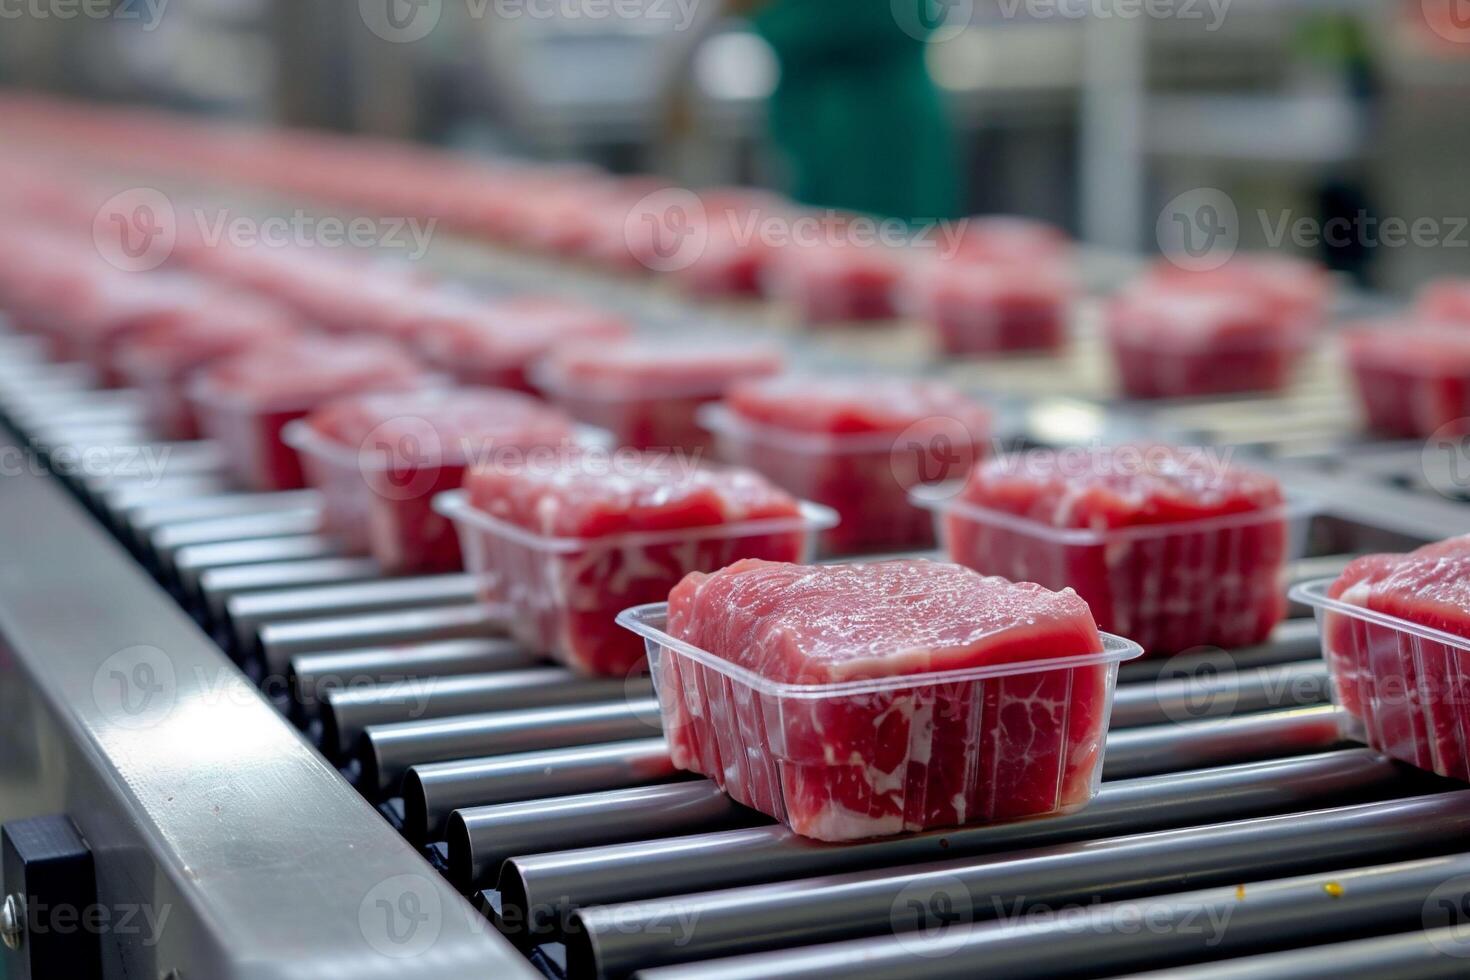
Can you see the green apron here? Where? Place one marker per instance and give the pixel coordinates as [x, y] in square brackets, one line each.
[855, 113]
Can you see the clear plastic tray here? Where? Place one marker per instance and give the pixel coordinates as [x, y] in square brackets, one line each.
[250, 430]
[859, 475]
[1218, 582]
[375, 504]
[806, 753]
[568, 591]
[1404, 687]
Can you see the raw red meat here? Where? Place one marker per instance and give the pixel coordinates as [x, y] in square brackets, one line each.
[1012, 240]
[158, 358]
[576, 541]
[835, 281]
[1169, 342]
[984, 307]
[1169, 547]
[1445, 301]
[495, 344]
[846, 766]
[1412, 378]
[857, 445]
[647, 393]
[1296, 291]
[1409, 694]
[380, 458]
[244, 401]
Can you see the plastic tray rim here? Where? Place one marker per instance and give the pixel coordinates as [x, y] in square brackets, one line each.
[648, 620]
[944, 499]
[1314, 594]
[455, 505]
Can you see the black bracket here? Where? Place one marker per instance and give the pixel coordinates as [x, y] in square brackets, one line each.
[47, 920]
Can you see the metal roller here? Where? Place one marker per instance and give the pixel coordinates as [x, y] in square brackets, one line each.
[285, 522]
[279, 642]
[347, 713]
[1153, 932]
[248, 613]
[482, 837]
[271, 563]
[432, 792]
[1293, 640]
[313, 675]
[613, 941]
[1223, 692]
[1265, 735]
[1430, 954]
[386, 751]
[550, 883]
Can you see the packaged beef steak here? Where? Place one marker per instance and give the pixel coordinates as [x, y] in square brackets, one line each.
[856, 701]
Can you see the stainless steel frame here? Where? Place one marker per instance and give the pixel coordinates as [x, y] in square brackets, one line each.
[206, 812]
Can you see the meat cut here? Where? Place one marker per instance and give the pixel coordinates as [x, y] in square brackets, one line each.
[1396, 635]
[856, 444]
[863, 700]
[648, 393]
[244, 401]
[569, 543]
[1412, 378]
[380, 458]
[1170, 546]
[989, 308]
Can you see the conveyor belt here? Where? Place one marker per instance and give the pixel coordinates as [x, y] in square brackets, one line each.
[551, 801]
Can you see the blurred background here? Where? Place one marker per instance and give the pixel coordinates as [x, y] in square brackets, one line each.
[1092, 114]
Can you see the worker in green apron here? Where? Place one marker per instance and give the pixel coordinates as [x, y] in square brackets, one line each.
[859, 120]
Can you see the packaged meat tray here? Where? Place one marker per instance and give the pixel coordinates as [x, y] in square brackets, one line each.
[567, 544]
[1396, 637]
[380, 458]
[647, 393]
[159, 358]
[858, 701]
[244, 401]
[833, 282]
[1296, 291]
[855, 444]
[1444, 301]
[1177, 343]
[1011, 240]
[496, 343]
[992, 308]
[1411, 378]
[1170, 546]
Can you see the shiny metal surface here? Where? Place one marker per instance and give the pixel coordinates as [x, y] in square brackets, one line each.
[1217, 741]
[279, 642]
[194, 795]
[314, 675]
[1220, 692]
[1428, 954]
[541, 887]
[482, 837]
[1150, 932]
[348, 713]
[613, 941]
[386, 751]
[432, 792]
[272, 563]
[248, 613]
